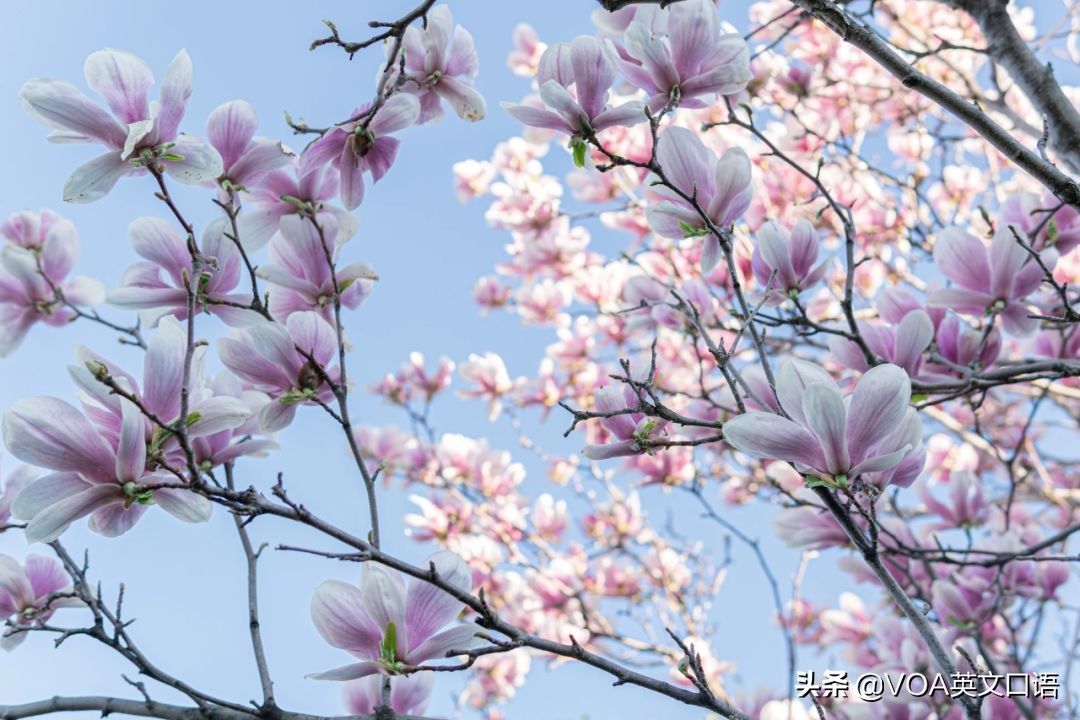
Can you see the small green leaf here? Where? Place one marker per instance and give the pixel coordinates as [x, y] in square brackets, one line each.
[919, 397]
[172, 156]
[579, 149]
[193, 418]
[814, 481]
[1052, 232]
[690, 231]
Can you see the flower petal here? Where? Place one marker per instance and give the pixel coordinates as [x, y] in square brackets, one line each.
[341, 617]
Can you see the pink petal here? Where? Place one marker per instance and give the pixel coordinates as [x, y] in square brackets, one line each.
[45, 491]
[200, 164]
[962, 258]
[594, 73]
[230, 128]
[826, 416]
[348, 672]
[185, 505]
[175, 91]
[47, 432]
[877, 406]
[428, 608]
[459, 638]
[773, 437]
[61, 105]
[123, 79]
[51, 522]
[341, 617]
[93, 180]
[398, 112]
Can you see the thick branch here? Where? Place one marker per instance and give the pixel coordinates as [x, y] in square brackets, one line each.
[864, 38]
[1005, 45]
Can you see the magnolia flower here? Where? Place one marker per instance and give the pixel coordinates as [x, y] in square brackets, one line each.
[278, 359]
[809, 528]
[692, 62]
[991, 281]
[358, 146]
[490, 380]
[791, 257]
[137, 134]
[281, 193]
[966, 505]
[108, 467]
[440, 64]
[158, 285]
[30, 594]
[719, 187]
[630, 429]
[408, 694]
[390, 628]
[106, 479]
[964, 346]
[11, 486]
[902, 344]
[1027, 212]
[875, 432]
[586, 65]
[42, 250]
[299, 270]
[245, 158]
[524, 59]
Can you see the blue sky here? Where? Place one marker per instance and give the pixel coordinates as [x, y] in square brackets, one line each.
[428, 250]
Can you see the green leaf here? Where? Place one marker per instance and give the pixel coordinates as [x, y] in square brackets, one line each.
[691, 231]
[814, 481]
[919, 397]
[579, 149]
[1052, 232]
[193, 418]
[172, 156]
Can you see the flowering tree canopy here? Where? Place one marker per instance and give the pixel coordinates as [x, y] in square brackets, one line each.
[807, 283]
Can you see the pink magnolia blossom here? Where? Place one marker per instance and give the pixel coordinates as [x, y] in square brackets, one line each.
[440, 64]
[809, 528]
[790, 256]
[488, 378]
[524, 59]
[30, 594]
[720, 186]
[1027, 212]
[41, 251]
[110, 466]
[629, 429]
[245, 158]
[390, 628]
[875, 432]
[688, 64]
[966, 505]
[962, 345]
[274, 358]
[157, 286]
[137, 132]
[299, 271]
[282, 193]
[11, 486]
[993, 281]
[586, 65]
[902, 344]
[408, 694]
[356, 147]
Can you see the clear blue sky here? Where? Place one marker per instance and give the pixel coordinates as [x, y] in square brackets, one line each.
[428, 249]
